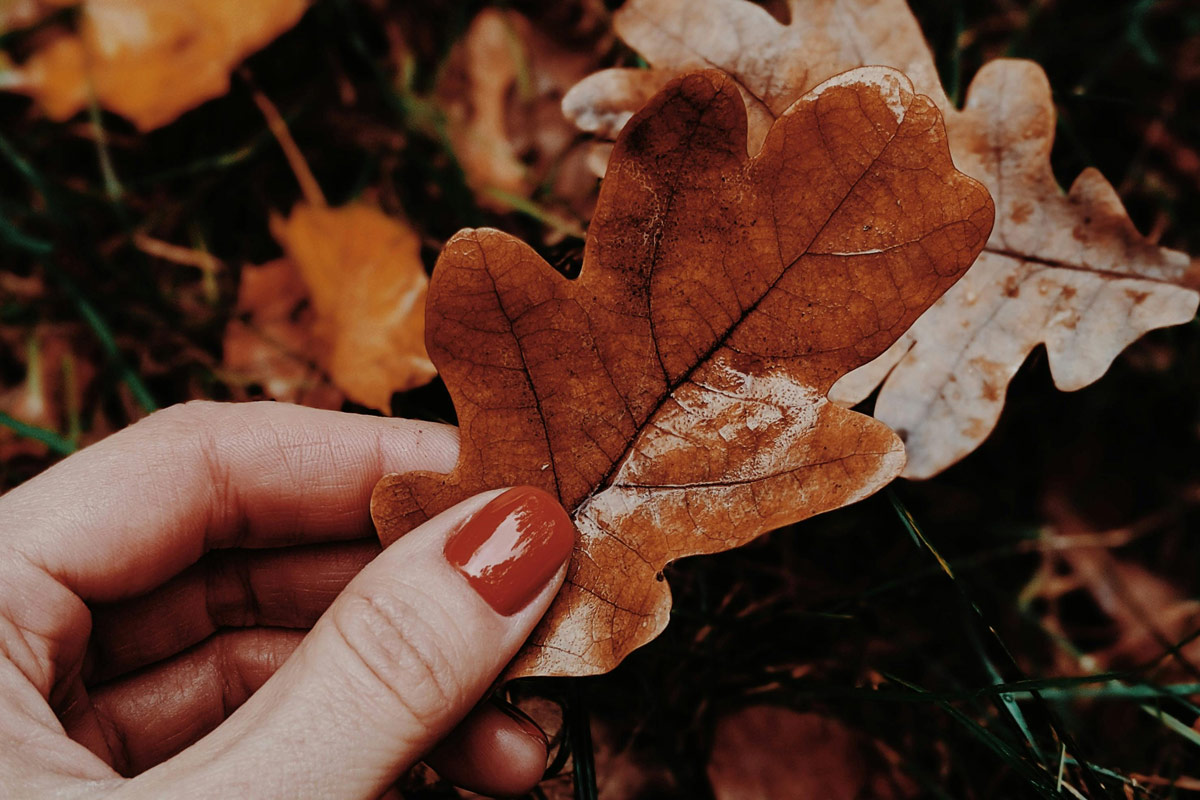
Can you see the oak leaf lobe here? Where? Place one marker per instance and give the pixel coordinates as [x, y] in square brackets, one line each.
[673, 396]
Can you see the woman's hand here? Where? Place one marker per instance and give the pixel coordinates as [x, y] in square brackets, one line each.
[157, 588]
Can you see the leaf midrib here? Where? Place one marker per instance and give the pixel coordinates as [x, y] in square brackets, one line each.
[673, 386]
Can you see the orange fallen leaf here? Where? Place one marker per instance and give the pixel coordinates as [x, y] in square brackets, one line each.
[769, 752]
[1068, 271]
[367, 283]
[502, 92]
[673, 396]
[270, 341]
[149, 60]
[365, 278]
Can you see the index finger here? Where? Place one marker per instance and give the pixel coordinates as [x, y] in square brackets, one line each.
[121, 516]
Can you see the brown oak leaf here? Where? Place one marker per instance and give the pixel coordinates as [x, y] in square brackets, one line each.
[1067, 271]
[673, 396]
[148, 60]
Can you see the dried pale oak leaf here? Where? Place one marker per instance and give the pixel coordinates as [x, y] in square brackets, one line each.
[364, 274]
[673, 396]
[1068, 271]
[149, 60]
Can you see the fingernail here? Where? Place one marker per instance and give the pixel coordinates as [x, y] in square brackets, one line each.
[523, 720]
[512, 547]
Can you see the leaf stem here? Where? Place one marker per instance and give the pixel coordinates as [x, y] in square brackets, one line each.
[278, 127]
[112, 185]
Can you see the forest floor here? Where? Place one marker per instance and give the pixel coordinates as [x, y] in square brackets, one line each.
[1065, 619]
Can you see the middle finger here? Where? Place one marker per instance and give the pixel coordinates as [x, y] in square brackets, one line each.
[287, 587]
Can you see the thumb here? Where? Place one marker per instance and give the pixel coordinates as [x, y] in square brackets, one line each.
[407, 649]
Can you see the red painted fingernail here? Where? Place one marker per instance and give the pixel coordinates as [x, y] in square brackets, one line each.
[512, 547]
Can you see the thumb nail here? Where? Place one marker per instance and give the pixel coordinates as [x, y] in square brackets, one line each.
[511, 548]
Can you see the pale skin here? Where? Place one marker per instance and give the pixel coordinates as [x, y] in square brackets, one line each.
[195, 607]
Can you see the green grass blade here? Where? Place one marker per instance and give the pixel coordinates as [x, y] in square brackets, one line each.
[56, 442]
[1186, 731]
[20, 240]
[104, 335]
[1008, 704]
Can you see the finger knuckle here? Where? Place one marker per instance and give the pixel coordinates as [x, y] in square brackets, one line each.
[406, 647]
[183, 416]
[188, 443]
